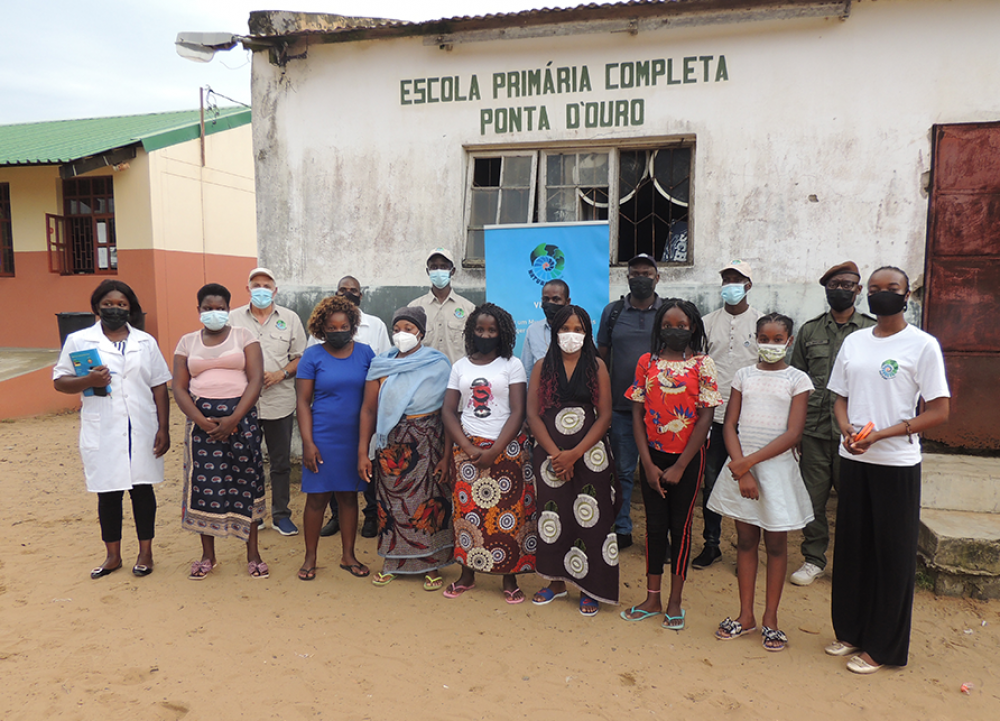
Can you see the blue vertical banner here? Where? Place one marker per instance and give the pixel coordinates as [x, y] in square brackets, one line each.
[520, 259]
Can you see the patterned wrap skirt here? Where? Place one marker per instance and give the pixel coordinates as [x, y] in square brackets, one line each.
[576, 528]
[414, 506]
[223, 480]
[495, 520]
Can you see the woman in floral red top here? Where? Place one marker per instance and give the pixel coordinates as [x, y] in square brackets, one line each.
[673, 396]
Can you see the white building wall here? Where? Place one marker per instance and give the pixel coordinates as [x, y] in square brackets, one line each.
[815, 150]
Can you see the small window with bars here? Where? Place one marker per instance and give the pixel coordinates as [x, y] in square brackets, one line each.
[6, 233]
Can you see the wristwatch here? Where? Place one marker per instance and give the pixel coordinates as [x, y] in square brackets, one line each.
[286, 374]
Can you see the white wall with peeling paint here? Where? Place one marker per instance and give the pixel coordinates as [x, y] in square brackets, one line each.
[815, 150]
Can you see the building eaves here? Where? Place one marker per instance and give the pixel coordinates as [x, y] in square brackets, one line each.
[64, 141]
[280, 27]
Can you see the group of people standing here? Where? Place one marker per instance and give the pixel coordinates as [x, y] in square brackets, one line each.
[467, 454]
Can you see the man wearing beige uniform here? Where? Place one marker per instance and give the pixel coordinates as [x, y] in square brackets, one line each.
[282, 340]
[446, 310]
[732, 343]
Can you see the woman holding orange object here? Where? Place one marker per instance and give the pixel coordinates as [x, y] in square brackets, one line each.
[880, 375]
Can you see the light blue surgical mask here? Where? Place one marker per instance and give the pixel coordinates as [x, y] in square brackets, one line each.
[440, 278]
[261, 297]
[733, 293]
[215, 319]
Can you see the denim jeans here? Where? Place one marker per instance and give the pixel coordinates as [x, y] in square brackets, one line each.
[626, 459]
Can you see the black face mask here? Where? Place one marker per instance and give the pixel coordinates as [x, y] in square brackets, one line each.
[550, 310]
[485, 346]
[641, 287]
[339, 338]
[886, 302]
[840, 299]
[353, 297]
[114, 318]
[676, 339]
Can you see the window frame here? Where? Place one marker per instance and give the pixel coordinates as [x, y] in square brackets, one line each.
[541, 152]
[6, 233]
[471, 262]
[68, 264]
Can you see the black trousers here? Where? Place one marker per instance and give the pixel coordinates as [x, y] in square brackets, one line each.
[109, 512]
[715, 457]
[875, 558]
[278, 437]
[673, 513]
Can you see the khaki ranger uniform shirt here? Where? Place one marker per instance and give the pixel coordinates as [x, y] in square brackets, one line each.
[816, 346]
[282, 340]
[732, 344]
[446, 322]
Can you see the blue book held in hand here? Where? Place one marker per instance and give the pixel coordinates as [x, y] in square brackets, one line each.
[83, 362]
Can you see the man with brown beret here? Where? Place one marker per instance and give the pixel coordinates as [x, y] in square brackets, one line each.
[816, 346]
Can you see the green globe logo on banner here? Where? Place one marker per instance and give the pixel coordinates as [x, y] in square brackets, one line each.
[547, 263]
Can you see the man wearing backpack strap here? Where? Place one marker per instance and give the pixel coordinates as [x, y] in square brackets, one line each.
[623, 336]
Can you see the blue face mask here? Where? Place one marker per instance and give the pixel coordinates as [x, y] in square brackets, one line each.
[440, 278]
[261, 297]
[733, 293]
[215, 319]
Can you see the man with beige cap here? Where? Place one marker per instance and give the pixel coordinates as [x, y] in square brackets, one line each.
[732, 343]
[282, 340]
[446, 310]
[816, 346]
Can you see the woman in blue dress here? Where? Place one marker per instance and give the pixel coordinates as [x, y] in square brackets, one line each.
[329, 387]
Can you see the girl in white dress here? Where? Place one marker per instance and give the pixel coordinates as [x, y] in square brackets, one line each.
[761, 487]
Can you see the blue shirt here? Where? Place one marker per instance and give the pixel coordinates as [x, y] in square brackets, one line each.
[536, 345]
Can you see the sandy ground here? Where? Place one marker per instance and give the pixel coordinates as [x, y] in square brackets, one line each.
[164, 647]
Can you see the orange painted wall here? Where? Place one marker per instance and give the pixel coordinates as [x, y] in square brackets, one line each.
[32, 394]
[166, 283]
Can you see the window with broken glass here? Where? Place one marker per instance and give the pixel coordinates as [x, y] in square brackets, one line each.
[643, 193]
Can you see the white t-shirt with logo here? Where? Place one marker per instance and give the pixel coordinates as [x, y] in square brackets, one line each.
[882, 379]
[485, 390]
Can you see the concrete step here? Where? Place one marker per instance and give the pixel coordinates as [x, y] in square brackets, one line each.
[960, 483]
[960, 551]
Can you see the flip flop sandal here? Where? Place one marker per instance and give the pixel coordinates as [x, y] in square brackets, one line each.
[383, 579]
[454, 590]
[773, 636]
[101, 572]
[733, 629]
[667, 619]
[433, 583]
[307, 574]
[588, 606]
[350, 568]
[258, 569]
[200, 569]
[628, 615]
[515, 596]
[546, 596]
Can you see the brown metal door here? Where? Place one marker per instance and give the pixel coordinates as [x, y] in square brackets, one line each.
[962, 301]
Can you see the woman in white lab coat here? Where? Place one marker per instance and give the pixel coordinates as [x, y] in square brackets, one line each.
[124, 434]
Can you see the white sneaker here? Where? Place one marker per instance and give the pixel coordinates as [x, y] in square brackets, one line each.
[807, 574]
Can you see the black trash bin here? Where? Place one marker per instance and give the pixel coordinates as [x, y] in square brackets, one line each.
[72, 322]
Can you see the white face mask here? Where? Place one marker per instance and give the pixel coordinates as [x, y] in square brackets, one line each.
[771, 352]
[405, 341]
[571, 342]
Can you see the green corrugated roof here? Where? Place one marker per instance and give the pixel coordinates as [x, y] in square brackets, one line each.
[62, 141]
